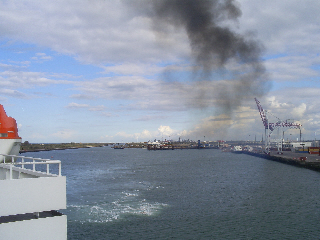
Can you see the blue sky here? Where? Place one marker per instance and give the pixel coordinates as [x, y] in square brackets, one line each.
[100, 71]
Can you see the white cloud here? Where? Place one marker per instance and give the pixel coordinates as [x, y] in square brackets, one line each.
[97, 108]
[288, 25]
[155, 95]
[74, 105]
[146, 94]
[131, 68]
[162, 133]
[64, 134]
[146, 134]
[95, 32]
[77, 105]
[293, 68]
[13, 93]
[41, 56]
[165, 131]
[23, 79]
[299, 111]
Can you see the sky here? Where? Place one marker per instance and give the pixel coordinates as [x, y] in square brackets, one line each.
[139, 70]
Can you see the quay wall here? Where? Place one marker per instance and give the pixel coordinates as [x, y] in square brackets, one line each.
[309, 162]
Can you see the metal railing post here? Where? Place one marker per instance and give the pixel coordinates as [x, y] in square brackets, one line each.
[34, 165]
[10, 172]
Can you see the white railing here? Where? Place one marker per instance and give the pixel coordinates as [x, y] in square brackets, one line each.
[29, 161]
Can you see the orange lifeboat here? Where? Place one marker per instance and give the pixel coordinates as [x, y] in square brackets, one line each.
[8, 126]
[10, 141]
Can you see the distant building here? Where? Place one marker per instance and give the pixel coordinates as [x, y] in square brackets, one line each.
[297, 145]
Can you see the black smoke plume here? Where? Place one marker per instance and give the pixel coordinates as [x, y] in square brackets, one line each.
[215, 49]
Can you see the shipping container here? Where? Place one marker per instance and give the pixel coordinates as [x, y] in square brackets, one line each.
[313, 150]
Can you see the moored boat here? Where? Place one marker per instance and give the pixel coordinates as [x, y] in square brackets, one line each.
[160, 146]
[118, 146]
[237, 149]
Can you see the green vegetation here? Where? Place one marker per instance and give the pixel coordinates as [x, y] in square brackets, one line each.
[34, 147]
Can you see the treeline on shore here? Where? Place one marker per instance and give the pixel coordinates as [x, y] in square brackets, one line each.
[36, 147]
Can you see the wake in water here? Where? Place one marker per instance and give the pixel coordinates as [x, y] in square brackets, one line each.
[123, 204]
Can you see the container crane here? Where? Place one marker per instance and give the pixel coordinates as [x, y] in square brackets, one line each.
[270, 127]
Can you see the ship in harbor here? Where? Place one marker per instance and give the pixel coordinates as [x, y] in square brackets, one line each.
[118, 146]
[237, 149]
[32, 190]
[166, 145]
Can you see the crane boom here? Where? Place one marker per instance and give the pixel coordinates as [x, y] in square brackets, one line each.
[269, 127]
[263, 116]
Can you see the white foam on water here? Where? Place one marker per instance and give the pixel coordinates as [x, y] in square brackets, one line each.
[128, 203]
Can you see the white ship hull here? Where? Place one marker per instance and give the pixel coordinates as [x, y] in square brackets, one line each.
[29, 199]
[50, 228]
[10, 147]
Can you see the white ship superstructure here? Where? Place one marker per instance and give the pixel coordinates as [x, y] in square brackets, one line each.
[237, 149]
[32, 191]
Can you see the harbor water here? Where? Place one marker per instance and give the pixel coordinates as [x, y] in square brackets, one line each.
[186, 194]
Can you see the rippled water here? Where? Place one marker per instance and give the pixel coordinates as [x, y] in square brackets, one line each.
[186, 194]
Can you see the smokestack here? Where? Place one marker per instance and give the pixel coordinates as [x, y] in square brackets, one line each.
[216, 48]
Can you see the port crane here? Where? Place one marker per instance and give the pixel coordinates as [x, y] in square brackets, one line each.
[270, 127]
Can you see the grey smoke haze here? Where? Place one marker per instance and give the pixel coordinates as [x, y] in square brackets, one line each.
[214, 49]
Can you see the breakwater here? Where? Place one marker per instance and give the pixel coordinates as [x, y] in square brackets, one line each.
[303, 160]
